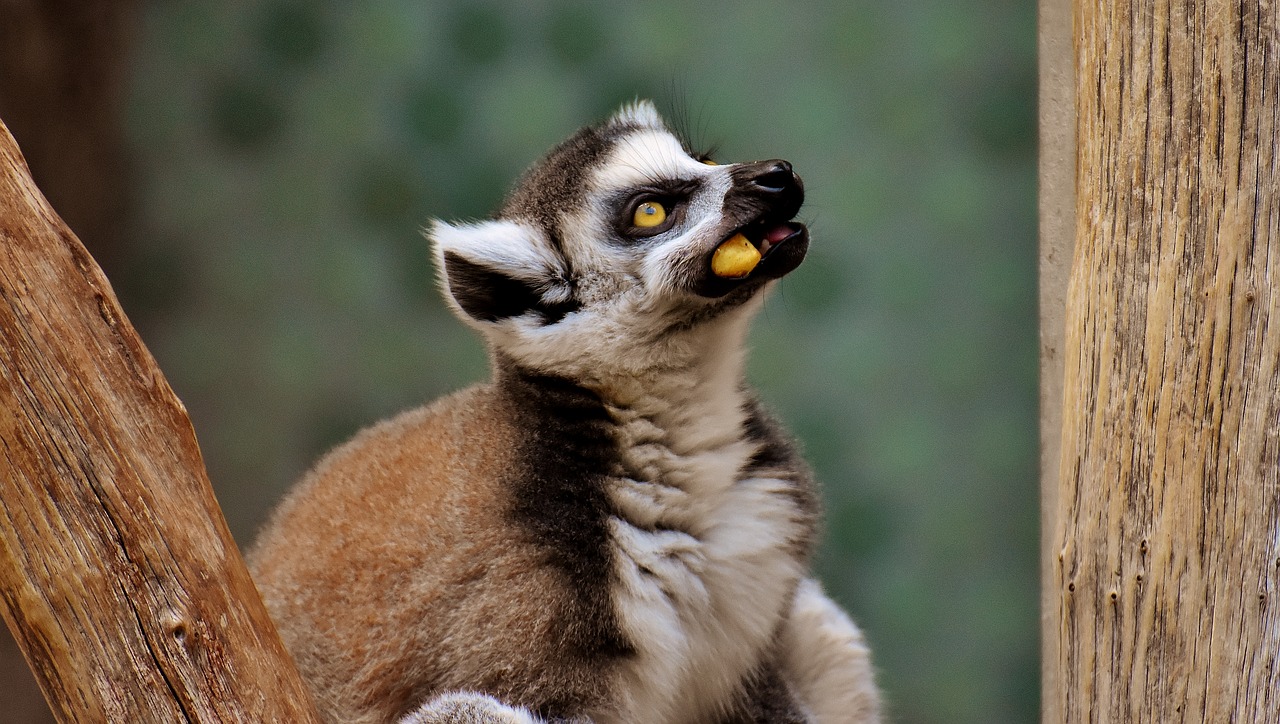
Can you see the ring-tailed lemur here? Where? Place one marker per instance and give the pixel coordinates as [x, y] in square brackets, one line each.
[612, 529]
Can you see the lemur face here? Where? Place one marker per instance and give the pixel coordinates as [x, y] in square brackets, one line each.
[600, 260]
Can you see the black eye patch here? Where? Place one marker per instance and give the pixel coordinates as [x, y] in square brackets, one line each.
[672, 195]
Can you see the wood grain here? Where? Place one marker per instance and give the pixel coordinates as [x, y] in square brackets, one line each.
[118, 576]
[1168, 568]
[1057, 206]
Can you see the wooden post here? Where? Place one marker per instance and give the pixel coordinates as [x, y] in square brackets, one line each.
[1167, 572]
[118, 576]
[1057, 207]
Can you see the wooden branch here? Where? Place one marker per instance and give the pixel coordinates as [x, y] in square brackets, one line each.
[119, 578]
[1168, 567]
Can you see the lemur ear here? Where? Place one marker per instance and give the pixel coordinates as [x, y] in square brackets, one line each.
[497, 270]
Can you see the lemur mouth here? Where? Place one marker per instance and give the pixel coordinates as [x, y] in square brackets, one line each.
[764, 200]
[768, 249]
[766, 236]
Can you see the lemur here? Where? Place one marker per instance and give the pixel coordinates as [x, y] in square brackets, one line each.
[612, 529]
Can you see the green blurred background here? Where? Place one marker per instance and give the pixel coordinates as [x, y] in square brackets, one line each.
[281, 157]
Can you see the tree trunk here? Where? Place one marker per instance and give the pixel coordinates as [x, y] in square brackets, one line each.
[1168, 567]
[120, 580]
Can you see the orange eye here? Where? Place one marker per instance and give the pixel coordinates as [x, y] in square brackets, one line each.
[709, 162]
[649, 214]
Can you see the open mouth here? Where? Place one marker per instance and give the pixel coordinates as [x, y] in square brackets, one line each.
[763, 249]
[768, 242]
[765, 236]
[750, 247]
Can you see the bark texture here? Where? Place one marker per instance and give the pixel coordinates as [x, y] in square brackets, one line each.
[1168, 570]
[118, 576]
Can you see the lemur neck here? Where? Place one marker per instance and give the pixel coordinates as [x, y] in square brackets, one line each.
[697, 399]
[706, 388]
[694, 393]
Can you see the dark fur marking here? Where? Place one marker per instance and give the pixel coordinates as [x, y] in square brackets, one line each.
[673, 193]
[552, 313]
[491, 296]
[778, 455]
[776, 449]
[486, 294]
[559, 499]
[557, 182]
[765, 699]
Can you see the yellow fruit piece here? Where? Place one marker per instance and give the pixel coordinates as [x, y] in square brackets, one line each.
[735, 258]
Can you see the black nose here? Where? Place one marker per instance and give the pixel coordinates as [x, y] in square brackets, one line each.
[776, 177]
[771, 186]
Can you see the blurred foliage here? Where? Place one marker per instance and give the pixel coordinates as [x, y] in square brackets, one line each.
[288, 153]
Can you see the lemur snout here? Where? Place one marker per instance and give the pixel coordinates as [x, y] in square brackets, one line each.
[759, 210]
[773, 182]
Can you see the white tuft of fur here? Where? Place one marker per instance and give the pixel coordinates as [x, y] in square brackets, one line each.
[653, 153]
[468, 708]
[640, 112]
[508, 246]
[826, 658]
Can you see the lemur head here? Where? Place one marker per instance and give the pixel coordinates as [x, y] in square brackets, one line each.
[599, 262]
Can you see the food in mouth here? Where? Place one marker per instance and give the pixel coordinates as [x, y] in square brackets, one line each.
[735, 258]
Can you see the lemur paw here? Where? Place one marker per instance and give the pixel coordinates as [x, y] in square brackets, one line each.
[468, 708]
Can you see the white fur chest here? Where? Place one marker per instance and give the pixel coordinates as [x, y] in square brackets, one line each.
[705, 554]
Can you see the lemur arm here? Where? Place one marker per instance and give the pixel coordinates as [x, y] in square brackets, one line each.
[769, 700]
[826, 662]
[823, 660]
[465, 707]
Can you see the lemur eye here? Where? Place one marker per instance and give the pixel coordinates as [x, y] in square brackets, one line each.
[649, 214]
[709, 162]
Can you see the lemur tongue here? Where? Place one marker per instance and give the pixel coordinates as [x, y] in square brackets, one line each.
[778, 233]
[775, 235]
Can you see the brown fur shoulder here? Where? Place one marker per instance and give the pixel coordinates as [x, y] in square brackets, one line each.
[398, 540]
